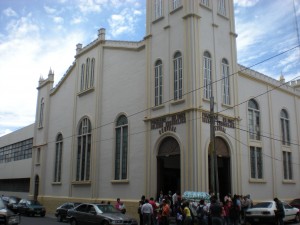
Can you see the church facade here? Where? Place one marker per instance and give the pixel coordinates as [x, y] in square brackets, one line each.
[134, 118]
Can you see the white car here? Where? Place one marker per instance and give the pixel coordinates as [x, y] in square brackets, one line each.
[264, 212]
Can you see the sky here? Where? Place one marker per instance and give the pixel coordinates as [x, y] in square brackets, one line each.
[39, 35]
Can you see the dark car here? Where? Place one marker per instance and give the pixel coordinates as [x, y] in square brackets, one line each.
[61, 211]
[12, 203]
[7, 217]
[31, 208]
[295, 203]
[103, 214]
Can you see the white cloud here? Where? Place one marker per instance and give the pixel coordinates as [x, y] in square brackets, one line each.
[246, 3]
[49, 10]
[58, 19]
[87, 6]
[77, 20]
[9, 12]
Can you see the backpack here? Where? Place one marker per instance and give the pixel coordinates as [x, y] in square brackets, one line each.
[200, 212]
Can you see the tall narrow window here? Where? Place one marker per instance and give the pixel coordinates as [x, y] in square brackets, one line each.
[82, 78]
[58, 158]
[285, 127]
[256, 162]
[287, 165]
[254, 120]
[92, 73]
[176, 4]
[222, 7]
[87, 74]
[83, 150]
[158, 9]
[158, 83]
[225, 82]
[205, 2]
[207, 75]
[41, 119]
[121, 148]
[38, 156]
[177, 64]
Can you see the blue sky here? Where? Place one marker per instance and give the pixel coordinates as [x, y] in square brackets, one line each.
[36, 35]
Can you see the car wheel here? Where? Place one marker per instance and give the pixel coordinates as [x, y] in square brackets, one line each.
[59, 218]
[105, 223]
[73, 222]
[297, 218]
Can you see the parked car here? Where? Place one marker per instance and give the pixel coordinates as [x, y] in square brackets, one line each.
[264, 212]
[12, 203]
[31, 208]
[103, 214]
[295, 203]
[7, 217]
[61, 211]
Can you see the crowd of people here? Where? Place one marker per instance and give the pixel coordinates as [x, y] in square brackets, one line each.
[228, 211]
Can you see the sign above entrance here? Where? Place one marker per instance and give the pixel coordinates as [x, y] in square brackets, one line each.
[220, 123]
[167, 123]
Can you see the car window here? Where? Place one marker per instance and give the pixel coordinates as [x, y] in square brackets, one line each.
[2, 206]
[107, 209]
[263, 205]
[287, 206]
[82, 208]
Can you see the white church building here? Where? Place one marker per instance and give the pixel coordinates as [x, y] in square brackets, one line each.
[134, 118]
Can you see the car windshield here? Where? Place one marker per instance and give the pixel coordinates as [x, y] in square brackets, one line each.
[2, 206]
[107, 209]
[263, 205]
[33, 202]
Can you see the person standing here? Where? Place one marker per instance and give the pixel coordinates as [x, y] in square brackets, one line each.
[202, 213]
[279, 213]
[118, 203]
[187, 214]
[147, 212]
[141, 202]
[216, 212]
[165, 213]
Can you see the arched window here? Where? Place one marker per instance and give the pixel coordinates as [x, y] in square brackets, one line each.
[84, 140]
[177, 65]
[158, 9]
[222, 7]
[285, 127]
[121, 148]
[158, 83]
[92, 73]
[87, 74]
[207, 75]
[82, 77]
[254, 120]
[58, 158]
[225, 82]
[41, 119]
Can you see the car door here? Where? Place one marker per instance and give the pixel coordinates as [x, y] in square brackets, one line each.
[81, 214]
[92, 217]
[289, 212]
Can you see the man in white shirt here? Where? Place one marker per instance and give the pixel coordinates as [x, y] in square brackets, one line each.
[147, 212]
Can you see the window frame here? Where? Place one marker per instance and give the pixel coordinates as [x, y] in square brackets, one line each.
[287, 165]
[158, 9]
[84, 145]
[285, 128]
[41, 115]
[222, 7]
[121, 148]
[178, 75]
[58, 158]
[256, 163]
[207, 75]
[225, 82]
[254, 127]
[158, 83]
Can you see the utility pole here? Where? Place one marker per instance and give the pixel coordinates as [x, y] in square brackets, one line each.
[212, 146]
[214, 176]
